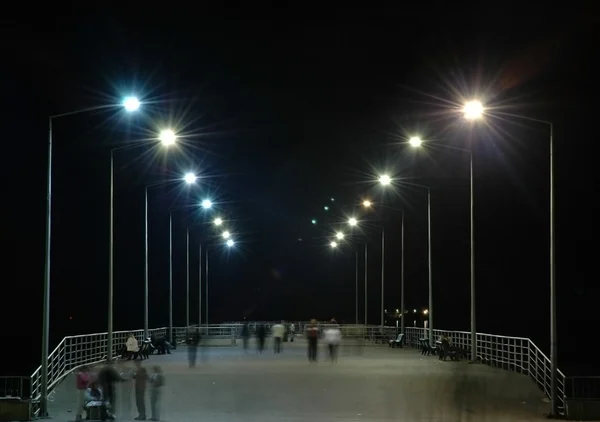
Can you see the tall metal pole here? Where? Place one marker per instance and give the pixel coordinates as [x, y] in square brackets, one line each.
[46, 299]
[403, 316]
[553, 343]
[109, 331]
[206, 285]
[366, 280]
[146, 263]
[429, 268]
[200, 286]
[356, 290]
[187, 279]
[382, 276]
[473, 321]
[171, 337]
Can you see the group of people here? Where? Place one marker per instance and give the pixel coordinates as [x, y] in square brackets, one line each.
[278, 331]
[96, 392]
[132, 349]
[332, 336]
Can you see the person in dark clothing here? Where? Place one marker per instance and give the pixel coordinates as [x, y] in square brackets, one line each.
[192, 344]
[312, 334]
[107, 376]
[141, 378]
[261, 335]
[162, 345]
[246, 335]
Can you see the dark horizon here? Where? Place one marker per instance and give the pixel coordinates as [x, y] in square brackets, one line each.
[277, 115]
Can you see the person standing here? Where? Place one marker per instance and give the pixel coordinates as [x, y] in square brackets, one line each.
[333, 338]
[312, 334]
[261, 334]
[245, 335]
[278, 333]
[141, 378]
[192, 344]
[82, 381]
[107, 376]
[157, 381]
[292, 332]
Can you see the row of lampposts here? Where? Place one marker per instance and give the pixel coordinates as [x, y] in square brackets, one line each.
[474, 110]
[167, 138]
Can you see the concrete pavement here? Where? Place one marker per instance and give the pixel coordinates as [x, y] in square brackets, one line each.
[375, 384]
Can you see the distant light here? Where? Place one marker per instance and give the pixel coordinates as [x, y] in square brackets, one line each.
[226, 235]
[333, 244]
[385, 180]
[353, 221]
[367, 203]
[313, 221]
[190, 178]
[167, 137]
[415, 141]
[300, 239]
[131, 103]
[397, 311]
[425, 311]
[218, 221]
[332, 199]
[230, 243]
[473, 110]
[414, 311]
[326, 208]
[206, 204]
[339, 235]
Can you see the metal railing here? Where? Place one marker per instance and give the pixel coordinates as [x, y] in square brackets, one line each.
[583, 387]
[14, 387]
[516, 354]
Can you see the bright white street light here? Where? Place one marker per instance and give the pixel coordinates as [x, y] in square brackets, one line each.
[190, 178]
[333, 244]
[226, 235]
[206, 204]
[218, 221]
[131, 103]
[352, 221]
[366, 203]
[339, 235]
[385, 180]
[167, 137]
[415, 141]
[230, 243]
[473, 110]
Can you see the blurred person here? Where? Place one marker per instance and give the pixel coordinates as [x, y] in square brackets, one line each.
[261, 335]
[292, 332]
[107, 377]
[133, 347]
[82, 382]
[141, 378]
[278, 331]
[333, 338]
[246, 335]
[157, 381]
[312, 335]
[161, 345]
[94, 399]
[193, 339]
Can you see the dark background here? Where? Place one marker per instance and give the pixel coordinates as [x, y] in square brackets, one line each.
[280, 110]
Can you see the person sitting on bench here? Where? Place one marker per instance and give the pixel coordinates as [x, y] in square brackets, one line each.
[162, 345]
[133, 347]
[95, 407]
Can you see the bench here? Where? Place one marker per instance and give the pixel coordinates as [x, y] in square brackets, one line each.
[397, 342]
[426, 348]
[446, 350]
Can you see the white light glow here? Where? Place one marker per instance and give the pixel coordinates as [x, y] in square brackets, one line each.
[218, 221]
[190, 178]
[367, 203]
[131, 103]
[333, 244]
[230, 243]
[415, 141]
[206, 204]
[226, 235]
[339, 235]
[353, 221]
[167, 137]
[473, 110]
[385, 180]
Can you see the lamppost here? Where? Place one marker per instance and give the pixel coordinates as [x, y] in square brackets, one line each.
[334, 245]
[553, 334]
[189, 178]
[130, 104]
[230, 243]
[416, 141]
[167, 137]
[473, 110]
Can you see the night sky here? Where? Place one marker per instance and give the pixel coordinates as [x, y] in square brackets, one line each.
[279, 110]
